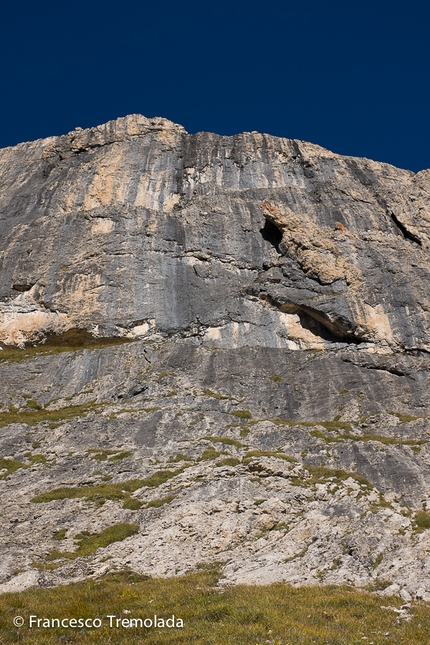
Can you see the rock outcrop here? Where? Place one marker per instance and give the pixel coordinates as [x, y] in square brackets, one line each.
[222, 340]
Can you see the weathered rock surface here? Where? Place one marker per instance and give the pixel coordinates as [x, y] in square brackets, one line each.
[276, 296]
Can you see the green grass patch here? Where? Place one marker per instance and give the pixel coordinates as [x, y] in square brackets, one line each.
[390, 440]
[60, 534]
[132, 504]
[33, 405]
[71, 341]
[236, 615]
[297, 555]
[120, 455]
[414, 443]
[35, 416]
[161, 476]
[242, 414]
[215, 395]
[284, 422]
[378, 585]
[276, 378]
[10, 465]
[251, 454]
[405, 418]
[377, 506]
[229, 461]
[209, 454]
[320, 435]
[334, 426]
[99, 493]
[111, 455]
[88, 543]
[421, 521]
[322, 473]
[228, 441]
[36, 458]
[179, 457]
[377, 561]
[161, 501]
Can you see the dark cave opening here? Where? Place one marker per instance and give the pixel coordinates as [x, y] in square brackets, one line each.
[406, 234]
[321, 330]
[271, 234]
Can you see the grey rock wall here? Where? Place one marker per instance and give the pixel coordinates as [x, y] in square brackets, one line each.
[275, 300]
[136, 228]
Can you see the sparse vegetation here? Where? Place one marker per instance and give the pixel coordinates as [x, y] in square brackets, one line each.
[111, 455]
[242, 414]
[160, 501]
[297, 555]
[179, 457]
[276, 378]
[379, 585]
[237, 615]
[336, 563]
[228, 441]
[120, 455]
[10, 466]
[405, 418]
[33, 405]
[377, 561]
[251, 454]
[36, 459]
[320, 435]
[421, 521]
[34, 416]
[209, 454]
[414, 443]
[229, 461]
[99, 493]
[88, 543]
[381, 503]
[60, 534]
[215, 395]
[322, 473]
[161, 476]
[71, 341]
[132, 504]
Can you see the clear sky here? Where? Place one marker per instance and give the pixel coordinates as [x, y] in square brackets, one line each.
[351, 76]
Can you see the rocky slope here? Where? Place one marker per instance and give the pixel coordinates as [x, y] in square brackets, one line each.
[232, 357]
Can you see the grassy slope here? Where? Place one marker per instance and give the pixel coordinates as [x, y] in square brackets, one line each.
[276, 614]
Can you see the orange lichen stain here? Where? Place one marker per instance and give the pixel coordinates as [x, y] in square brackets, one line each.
[340, 227]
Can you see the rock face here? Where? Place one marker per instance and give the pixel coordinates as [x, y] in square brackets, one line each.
[270, 409]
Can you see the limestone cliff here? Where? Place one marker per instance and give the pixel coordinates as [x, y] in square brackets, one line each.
[275, 296]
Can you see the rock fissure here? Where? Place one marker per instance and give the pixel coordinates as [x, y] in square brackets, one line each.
[407, 234]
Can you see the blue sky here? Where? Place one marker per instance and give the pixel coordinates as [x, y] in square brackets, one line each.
[350, 76]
